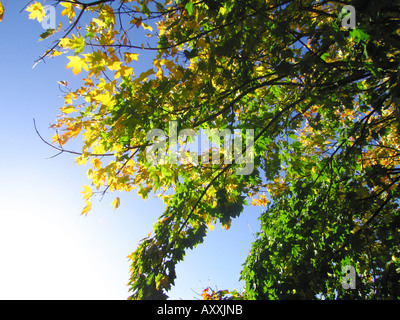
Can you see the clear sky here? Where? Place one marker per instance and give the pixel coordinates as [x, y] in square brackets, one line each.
[47, 249]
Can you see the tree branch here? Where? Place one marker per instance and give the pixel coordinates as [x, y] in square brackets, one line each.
[62, 150]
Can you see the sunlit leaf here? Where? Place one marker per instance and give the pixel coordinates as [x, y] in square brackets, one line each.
[1, 11]
[87, 207]
[36, 11]
[87, 191]
[77, 64]
[68, 10]
[116, 203]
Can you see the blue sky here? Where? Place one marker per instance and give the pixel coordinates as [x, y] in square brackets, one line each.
[47, 249]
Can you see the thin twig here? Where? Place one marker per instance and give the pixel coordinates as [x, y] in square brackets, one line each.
[62, 150]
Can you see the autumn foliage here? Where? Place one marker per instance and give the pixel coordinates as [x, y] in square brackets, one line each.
[324, 103]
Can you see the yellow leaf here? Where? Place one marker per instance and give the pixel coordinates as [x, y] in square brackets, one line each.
[260, 70]
[262, 201]
[81, 160]
[96, 163]
[159, 73]
[168, 63]
[115, 203]
[87, 191]
[124, 71]
[143, 76]
[147, 27]
[68, 109]
[69, 97]
[87, 207]
[77, 63]
[99, 149]
[131, 56]
[104, 98]
[1, 11]
[65, 43]
[56, 53]
[68, 11]
[107, 14]
[99, 22]
[36, 11]
[75, 130]
[56, 138]
[114, 65]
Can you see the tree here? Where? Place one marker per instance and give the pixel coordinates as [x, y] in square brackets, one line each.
[322, 99]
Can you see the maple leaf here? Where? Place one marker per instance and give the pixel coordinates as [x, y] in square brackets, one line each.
[96, 163]
[114, 65]
[69, 97]
[1, 11]
[68, 109]
[107, 14]
[77, 63]
[65, 43]
[116, 203]
[81, 160]
[123, 71]
[68, 11]
[87, 191]
[56, 139]
[36, 11]
[87, 207]
[77, 43]
[75, 130]
[131, 56]
[104, 98]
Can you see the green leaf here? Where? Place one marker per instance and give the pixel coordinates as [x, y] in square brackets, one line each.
[359, 35]
[47, 34]
[78, 43]
[189, 7]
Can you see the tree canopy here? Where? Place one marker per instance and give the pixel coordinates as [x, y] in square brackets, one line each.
[322, 99]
